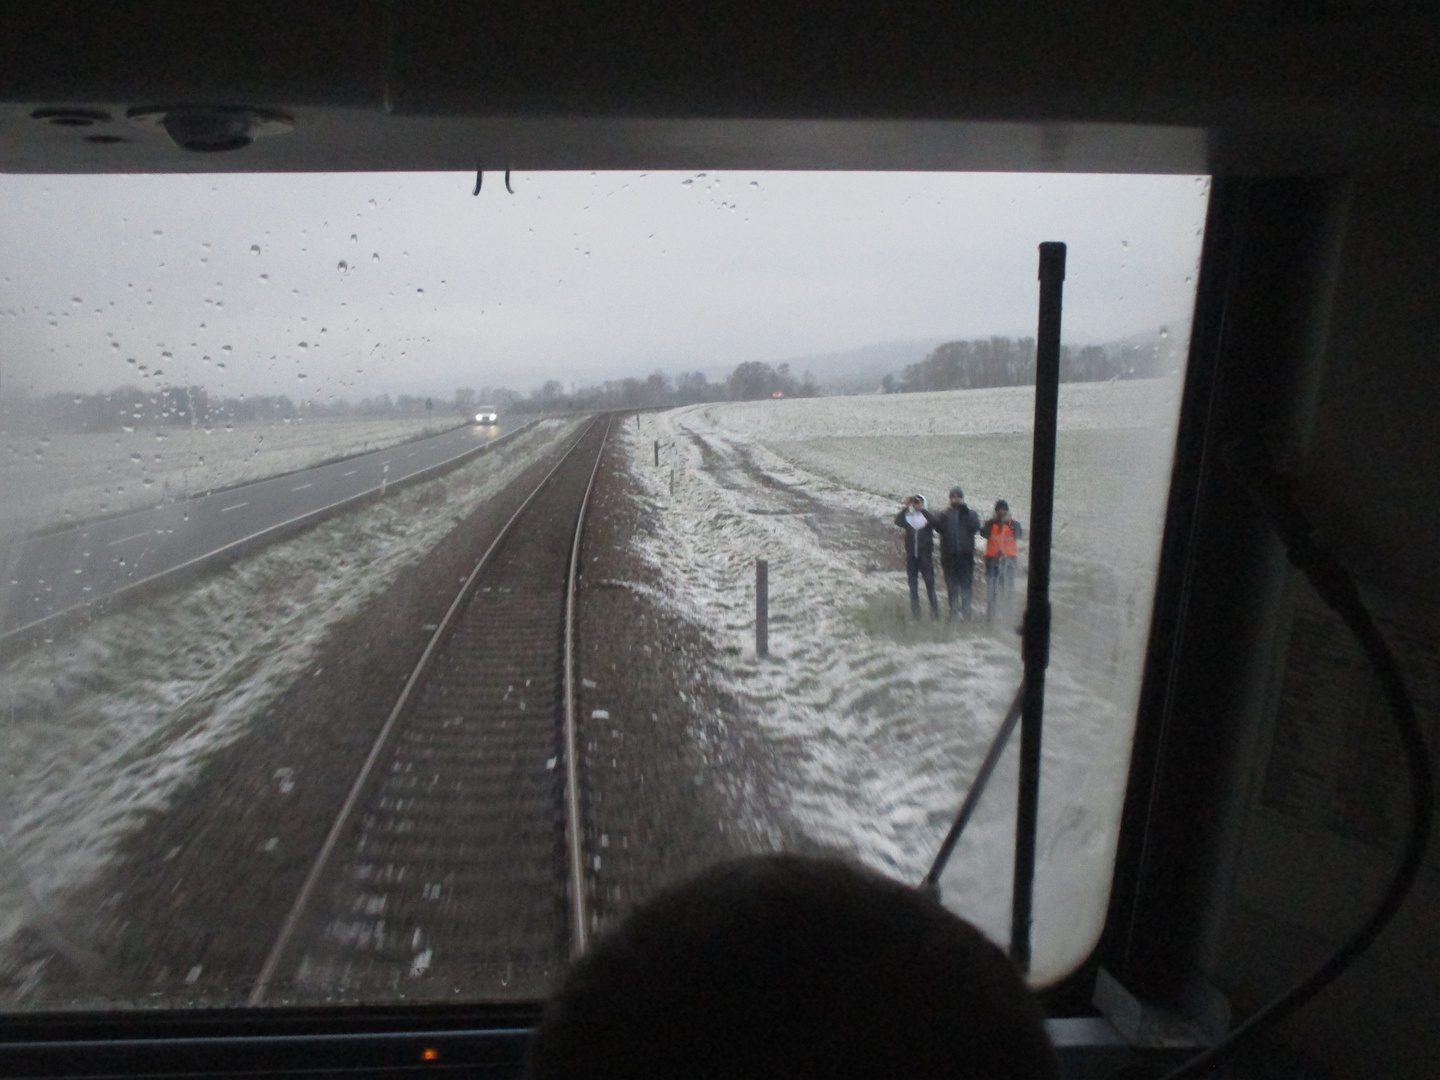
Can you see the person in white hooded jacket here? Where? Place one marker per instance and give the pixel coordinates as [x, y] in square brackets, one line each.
[919, 525]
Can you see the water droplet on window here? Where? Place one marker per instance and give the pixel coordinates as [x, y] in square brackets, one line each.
[1124, 245]
[254, 249]
[687, 180]
[264, 279]
[342, 266]
[353, 238]
[375, 257]
[372, 204]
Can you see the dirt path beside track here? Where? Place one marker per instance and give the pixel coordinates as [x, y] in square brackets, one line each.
[674, 776]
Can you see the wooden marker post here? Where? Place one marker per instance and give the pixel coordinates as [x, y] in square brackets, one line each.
[762, 607]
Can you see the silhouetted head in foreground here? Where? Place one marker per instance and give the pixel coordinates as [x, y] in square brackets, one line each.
[794, 967]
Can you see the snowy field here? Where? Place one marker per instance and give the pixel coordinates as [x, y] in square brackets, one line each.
[74, 476]
[884, 722]
[102, 728]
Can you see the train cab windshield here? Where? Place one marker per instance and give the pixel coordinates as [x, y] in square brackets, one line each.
[405, 574]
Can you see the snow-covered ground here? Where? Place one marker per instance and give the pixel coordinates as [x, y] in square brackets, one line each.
[102, 728]
[884, 722]
[67, 477]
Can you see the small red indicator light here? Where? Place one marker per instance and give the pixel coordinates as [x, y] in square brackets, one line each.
[429, 1054]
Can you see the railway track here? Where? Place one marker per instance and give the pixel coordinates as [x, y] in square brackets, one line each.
[455, 867]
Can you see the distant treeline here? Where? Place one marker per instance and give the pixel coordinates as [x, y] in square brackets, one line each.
[748, 382]
[194, 406]
[956, 365]
[1002, 361]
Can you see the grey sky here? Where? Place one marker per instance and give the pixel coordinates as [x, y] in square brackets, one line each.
[577, 276]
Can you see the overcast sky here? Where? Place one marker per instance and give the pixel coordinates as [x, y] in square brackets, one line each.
[348, 285]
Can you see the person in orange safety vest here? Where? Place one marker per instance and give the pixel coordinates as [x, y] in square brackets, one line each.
[1001, 533]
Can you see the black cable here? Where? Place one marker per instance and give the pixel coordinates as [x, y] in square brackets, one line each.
[1338, 590]
[931, 882]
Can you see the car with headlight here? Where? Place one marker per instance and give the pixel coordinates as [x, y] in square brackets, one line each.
[487, 415]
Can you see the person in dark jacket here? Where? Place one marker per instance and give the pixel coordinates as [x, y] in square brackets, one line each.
[919, 526]
[957, 527]
[1002, 534]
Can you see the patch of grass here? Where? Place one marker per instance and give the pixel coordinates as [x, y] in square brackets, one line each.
[887, 616]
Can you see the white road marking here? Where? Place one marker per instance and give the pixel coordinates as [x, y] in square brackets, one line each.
[352, 472]
[237, 506]
[302, 487]
[127, 539]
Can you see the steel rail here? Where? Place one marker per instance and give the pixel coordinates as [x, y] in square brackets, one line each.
[417, 676]
[579, 931]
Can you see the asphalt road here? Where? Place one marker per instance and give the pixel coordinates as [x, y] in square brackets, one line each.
[51, 575]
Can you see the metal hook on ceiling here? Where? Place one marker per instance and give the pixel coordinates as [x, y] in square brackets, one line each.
[479, 178]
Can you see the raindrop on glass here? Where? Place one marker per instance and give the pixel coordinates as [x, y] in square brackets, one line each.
[254, 249]
[342, 266]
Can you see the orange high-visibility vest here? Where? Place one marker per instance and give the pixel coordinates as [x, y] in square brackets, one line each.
[1001, 540]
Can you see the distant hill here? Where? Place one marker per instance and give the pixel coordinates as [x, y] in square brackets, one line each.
[860, 370]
